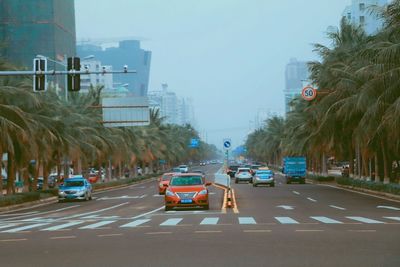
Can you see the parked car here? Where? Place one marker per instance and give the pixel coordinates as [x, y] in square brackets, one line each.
[163, 182]
[243, 174]
[264, 177]
[75, 188]
[52, 180]
[186, 190]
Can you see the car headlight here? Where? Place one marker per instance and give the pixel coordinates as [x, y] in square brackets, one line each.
[81, 191]
[203, 192]
[169, 193]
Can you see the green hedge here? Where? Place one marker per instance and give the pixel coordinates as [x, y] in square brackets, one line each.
[19, 198]
[381, 187]
[321, 178]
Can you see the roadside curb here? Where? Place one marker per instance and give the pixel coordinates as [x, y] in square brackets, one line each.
[51, 200]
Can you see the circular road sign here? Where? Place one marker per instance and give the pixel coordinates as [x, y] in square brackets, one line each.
[227, 144]
[309, 93]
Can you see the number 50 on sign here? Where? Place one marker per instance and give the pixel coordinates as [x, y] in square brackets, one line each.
[309, 93]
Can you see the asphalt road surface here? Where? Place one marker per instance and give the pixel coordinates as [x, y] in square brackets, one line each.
[288, 225]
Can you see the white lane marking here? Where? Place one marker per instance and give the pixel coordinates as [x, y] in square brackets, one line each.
[158, 195]
[23, 228]
[211, 193]
[97, 225]
[295, 192]
[39, 219]
[286, 220]
[336, 207]
[387, 207]
[285, 207]
[209, 221]
[101, 218]
[147, 213]
[171, 222]
[19, 214]
[313, 200]
[363, 219]
[143, 196]
[45, 212]
[62, 226]
[8, 225]
[63, 237]
[325, 219]
[247, 220]
[393, 218]
[93, 212]
[135, 223]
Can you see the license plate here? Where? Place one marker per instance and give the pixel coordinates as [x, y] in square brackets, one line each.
[186, 201]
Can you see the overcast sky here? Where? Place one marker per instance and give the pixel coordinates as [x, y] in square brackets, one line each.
[229, 56]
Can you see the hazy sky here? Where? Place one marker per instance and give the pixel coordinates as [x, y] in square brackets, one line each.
[229, 56]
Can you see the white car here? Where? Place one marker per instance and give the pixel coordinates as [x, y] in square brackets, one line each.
[184, 168]
[243, 174]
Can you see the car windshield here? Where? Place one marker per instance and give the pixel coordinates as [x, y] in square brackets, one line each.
[73, 183]
[186, 180]
[233, 167]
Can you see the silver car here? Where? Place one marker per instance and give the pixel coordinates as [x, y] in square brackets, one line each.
[75, 188]
[243, 174]
[264, 177]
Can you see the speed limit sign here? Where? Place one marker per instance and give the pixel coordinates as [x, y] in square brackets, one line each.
[309, 93]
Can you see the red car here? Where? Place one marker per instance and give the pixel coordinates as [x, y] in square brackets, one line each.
[93, 178]
[164, 182]
[186, 190]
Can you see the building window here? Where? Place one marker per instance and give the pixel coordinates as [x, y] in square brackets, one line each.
[349, 16]
[362, 20]
[362, 7]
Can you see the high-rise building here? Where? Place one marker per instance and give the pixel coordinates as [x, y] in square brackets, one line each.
[174, 109]
[296, 74]
[40, 27]
[127, 53]
[361, 13]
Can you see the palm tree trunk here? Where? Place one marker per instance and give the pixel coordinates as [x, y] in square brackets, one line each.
[46, 171]
[26, 181]
[351, 163]
[324, 169]
[377, 176]
[10, 174]
[386, 178]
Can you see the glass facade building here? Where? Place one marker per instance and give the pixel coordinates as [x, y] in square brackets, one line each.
[37, 27]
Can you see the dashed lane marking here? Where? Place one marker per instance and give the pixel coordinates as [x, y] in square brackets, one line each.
[209, 221]
[109, 235]
[393, 218]
[296, 193]
[336, 207]
[311, 199]
[13, 240]
[171, 222]
[63, 237]
[247, 220]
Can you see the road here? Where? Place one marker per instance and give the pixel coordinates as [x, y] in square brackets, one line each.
[288, 225]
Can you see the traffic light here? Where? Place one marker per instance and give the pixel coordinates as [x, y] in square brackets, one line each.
[73, 80]
[39, 80]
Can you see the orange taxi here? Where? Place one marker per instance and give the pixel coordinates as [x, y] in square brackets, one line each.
[186, 190]
[163, 182]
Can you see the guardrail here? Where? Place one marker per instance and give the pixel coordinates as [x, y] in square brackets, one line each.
[222, 179]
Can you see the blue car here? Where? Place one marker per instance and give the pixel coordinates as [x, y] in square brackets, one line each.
[264, 177]
[75, 188]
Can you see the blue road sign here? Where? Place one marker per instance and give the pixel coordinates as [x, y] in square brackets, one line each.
[194, 143]
[227, 143]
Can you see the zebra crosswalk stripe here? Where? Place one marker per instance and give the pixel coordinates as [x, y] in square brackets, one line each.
[23, 228]
[209, 221]
[325, 220]
[135, 223]
[247, 220]
[286, 220]
[62, 226]
[364, 220]
[171, 222]
[97, 225]
[393, 218]
[7, 225]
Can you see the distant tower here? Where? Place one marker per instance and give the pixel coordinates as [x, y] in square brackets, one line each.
[296, 74]
[361, 13]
